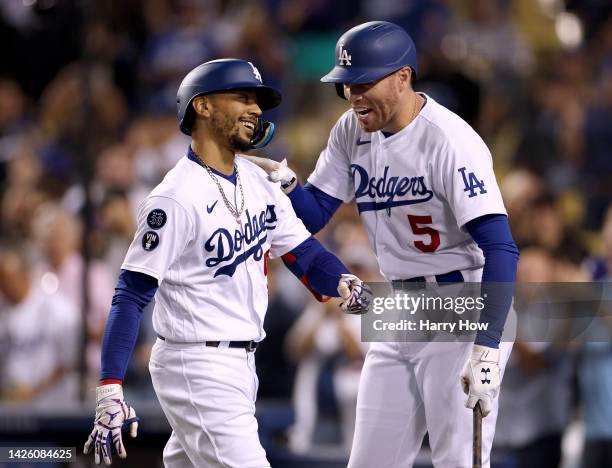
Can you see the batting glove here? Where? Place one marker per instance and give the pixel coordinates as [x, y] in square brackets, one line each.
[356, 294]
[112, 415]
[480, 378]
[277, 171]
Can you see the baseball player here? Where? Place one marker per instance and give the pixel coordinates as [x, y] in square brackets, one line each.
[425, 189]
[203, 239]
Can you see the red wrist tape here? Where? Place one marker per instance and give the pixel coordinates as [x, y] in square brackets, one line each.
[111, 381]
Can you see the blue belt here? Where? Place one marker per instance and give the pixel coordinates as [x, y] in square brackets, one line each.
[451, 277]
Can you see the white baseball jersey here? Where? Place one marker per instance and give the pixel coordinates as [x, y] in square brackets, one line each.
[211, 270]
[415, 190]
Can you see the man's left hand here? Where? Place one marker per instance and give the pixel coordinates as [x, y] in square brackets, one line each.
[112, 415]
[480, 378]
[277, 171]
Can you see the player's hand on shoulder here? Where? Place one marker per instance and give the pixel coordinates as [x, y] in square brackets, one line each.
[277, 171]
[356, 295]
[112, 415]
[480, 378]
[266, 164]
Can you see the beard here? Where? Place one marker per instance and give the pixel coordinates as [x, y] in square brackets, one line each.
[227, 131]
[239, 144]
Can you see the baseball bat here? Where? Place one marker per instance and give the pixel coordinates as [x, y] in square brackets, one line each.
[477, 438]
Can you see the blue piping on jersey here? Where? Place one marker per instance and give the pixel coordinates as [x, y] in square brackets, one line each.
[231, 178]
[424, 96]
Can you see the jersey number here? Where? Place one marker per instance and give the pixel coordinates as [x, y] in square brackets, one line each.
[415, 223]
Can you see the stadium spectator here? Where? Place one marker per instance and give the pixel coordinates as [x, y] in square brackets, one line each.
[61, 269]
[42, 331]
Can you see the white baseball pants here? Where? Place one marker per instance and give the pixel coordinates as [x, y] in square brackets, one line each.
[408, 389]
[208, 396]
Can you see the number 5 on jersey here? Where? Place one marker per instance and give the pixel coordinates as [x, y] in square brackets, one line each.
[417, 224]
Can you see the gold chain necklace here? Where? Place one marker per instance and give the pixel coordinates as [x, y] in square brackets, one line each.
[235, 213]
[415, 111]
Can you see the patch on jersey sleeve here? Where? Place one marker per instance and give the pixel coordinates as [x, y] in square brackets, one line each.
[471, 183]
[150, 240]
[156, 219]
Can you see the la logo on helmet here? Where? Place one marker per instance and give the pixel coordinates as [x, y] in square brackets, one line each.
[344, 58]
[256, 72]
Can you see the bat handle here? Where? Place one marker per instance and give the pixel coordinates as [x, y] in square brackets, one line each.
[477, 440]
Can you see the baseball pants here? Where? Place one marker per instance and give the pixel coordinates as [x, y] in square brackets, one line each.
[208, 396]
[409, 389]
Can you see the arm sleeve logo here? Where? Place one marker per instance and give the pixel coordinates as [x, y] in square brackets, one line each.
[150, 240]
[471, 183]
[156, 219]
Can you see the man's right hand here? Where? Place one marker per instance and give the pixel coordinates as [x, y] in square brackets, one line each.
[112, 415]
[481, 378]
[277, 171]
[356, 295]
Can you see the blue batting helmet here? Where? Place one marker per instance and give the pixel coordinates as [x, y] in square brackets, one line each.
[369, 52]
[221, 75]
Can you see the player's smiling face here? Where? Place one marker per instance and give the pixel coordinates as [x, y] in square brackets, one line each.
[234, 117]
[375, 104]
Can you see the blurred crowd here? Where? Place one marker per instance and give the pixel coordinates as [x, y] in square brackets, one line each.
[88, 128]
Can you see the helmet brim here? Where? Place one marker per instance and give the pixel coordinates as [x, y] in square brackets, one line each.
[356, 75]
[267, 97]
[341, 75]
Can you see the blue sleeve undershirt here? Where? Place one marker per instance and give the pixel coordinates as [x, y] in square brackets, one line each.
[313, 206]
[319, 270]
[493, 236]
[133, 292]
[490, 232]
[316, 267]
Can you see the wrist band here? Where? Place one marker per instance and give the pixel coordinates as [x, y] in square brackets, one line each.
[289, 185]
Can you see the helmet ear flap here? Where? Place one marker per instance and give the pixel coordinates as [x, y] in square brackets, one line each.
[263, 134]
[188, 121]
[189, 117]
[340, 90]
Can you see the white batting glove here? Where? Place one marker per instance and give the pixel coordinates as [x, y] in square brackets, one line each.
[277, 171]
[112, 415]
[355, 293]
[480, 378]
